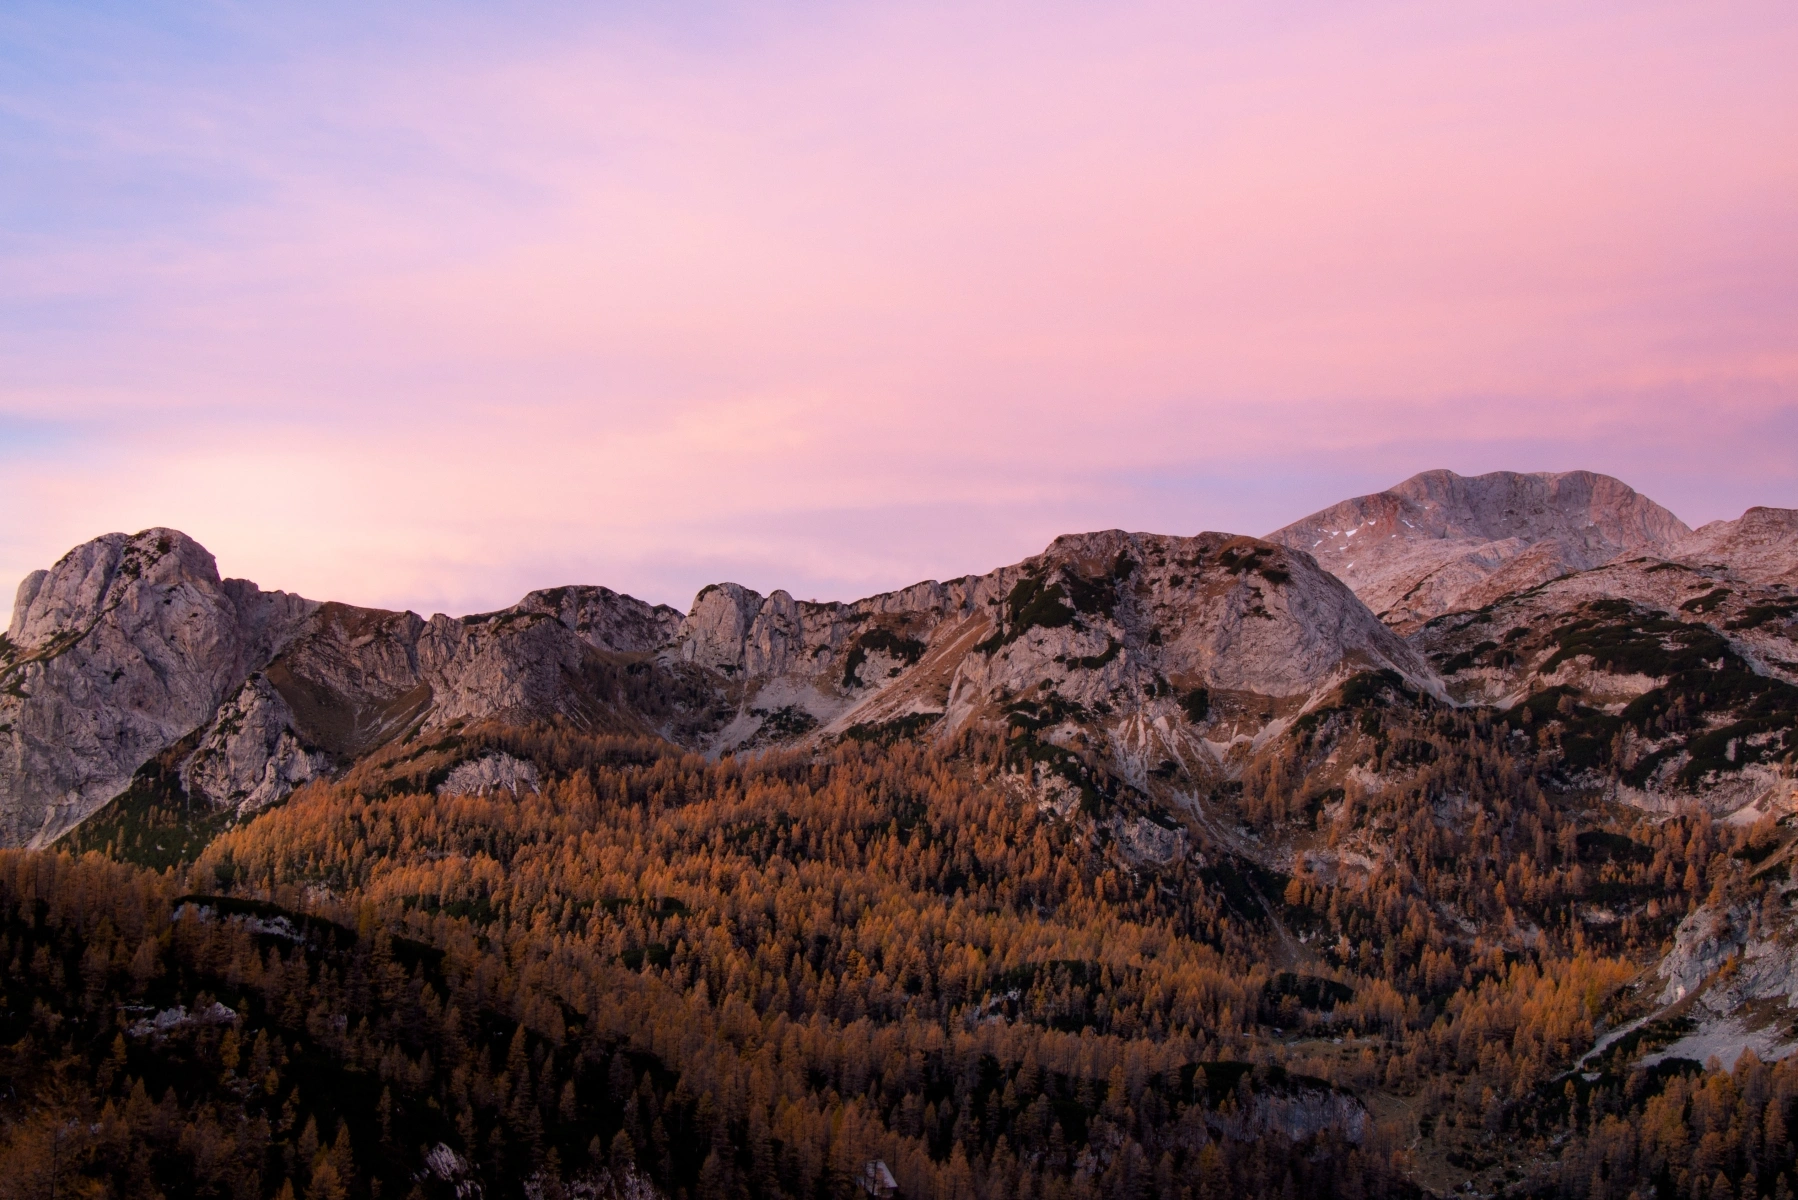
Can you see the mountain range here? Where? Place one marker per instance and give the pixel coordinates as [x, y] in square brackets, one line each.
[1150, 649]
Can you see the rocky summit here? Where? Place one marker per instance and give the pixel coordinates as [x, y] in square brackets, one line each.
[1439, 541]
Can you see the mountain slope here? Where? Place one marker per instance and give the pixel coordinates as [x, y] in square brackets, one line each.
[1656, 683]
[1441, 542]
[1160, 663]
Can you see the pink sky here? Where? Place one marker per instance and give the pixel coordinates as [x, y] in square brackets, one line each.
[449, 306]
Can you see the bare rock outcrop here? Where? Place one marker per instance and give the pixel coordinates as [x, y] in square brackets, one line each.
[716, 633]
[130, 644]
[491, 773]
[251, 755]
[1441, 542]
[1120, 626]
[1672, 683]
[1129, 626]
[122, 648]
[604, 619]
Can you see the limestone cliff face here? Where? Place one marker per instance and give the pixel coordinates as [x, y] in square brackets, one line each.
[123, 647]
[716, 633]
[1107, 611]
[1110, 637]
[251, 755]
[355, 679]
[1441, 542]
[604, 619]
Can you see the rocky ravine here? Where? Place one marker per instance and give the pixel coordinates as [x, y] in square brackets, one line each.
[1147, 650]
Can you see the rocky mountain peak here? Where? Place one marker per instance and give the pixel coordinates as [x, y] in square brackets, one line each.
[1441, 542]
[126, 645]
[604, 619]
[137, 641]
[716, 629]
[1215, 783]
[1135, 624]
[93, 578]
[1157, 657]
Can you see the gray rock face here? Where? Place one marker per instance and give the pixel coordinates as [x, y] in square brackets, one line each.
[1261, 628]
[130, 644]
[1441, 542]
[604, 619]
[251, 755]
[1704, 941]
[1627, 638]
[352, 678]
[355, 679]
[1758, 622]
[123, 647]
[1114, 630]
[717, 632]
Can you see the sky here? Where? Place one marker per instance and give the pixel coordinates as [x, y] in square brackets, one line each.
[426, 305]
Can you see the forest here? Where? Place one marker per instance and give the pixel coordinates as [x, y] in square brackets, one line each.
[661, 975]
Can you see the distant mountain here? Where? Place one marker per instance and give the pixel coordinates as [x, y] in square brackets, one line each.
[1440, 541]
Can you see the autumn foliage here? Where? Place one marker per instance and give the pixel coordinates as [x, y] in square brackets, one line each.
[747, 978]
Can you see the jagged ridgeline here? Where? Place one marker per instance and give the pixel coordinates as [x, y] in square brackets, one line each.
[1148, 866]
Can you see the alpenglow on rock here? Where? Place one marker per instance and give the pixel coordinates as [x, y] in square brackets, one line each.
[1441, 542]
[1760, 545]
